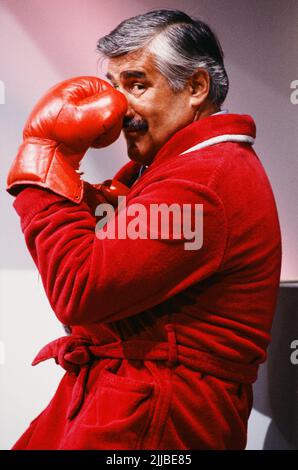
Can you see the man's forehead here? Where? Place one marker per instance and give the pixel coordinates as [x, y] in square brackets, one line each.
[135, 65]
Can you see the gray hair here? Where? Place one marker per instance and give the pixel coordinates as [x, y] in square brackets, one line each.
[179, 44]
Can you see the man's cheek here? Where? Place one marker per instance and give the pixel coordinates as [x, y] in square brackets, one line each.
[147, 139]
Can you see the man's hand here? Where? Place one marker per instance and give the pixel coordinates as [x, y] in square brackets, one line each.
[74, 115]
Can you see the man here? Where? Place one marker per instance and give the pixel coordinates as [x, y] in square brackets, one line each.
[165, 341]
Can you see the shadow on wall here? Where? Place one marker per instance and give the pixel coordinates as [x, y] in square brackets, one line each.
[276, 391]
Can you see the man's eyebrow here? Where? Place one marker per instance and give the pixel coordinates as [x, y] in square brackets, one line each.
[132, 74]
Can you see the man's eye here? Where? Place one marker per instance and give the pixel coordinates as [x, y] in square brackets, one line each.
[137, 88]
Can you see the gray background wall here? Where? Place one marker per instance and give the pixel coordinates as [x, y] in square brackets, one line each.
[43, 42]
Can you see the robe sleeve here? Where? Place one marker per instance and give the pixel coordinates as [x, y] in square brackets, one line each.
[88, 279]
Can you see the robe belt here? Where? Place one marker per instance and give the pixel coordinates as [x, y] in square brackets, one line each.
[76, 354]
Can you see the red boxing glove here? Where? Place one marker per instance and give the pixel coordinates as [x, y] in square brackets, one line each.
[74, 115]
[120, 185]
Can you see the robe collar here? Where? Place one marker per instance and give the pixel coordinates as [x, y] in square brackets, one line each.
[209, 131]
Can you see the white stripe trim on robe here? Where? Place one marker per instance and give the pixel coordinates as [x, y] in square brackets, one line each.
[219, 139]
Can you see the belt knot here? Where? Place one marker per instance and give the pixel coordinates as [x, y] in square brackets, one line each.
[70, 352]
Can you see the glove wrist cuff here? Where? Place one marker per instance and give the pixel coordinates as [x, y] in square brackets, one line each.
[42, 162]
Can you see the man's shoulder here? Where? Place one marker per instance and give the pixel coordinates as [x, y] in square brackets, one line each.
[203, 166]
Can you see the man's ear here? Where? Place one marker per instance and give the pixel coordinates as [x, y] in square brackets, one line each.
[199, 84]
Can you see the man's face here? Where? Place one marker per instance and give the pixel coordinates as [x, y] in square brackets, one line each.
[155, 112]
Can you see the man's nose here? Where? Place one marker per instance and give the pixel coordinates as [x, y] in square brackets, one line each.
[130, 110]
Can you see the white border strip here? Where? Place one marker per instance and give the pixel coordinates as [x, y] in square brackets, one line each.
[2, 353]
[221, 138]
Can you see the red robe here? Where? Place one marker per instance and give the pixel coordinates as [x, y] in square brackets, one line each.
[165, 342]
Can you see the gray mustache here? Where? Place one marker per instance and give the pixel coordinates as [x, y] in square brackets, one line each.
[134, 124]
